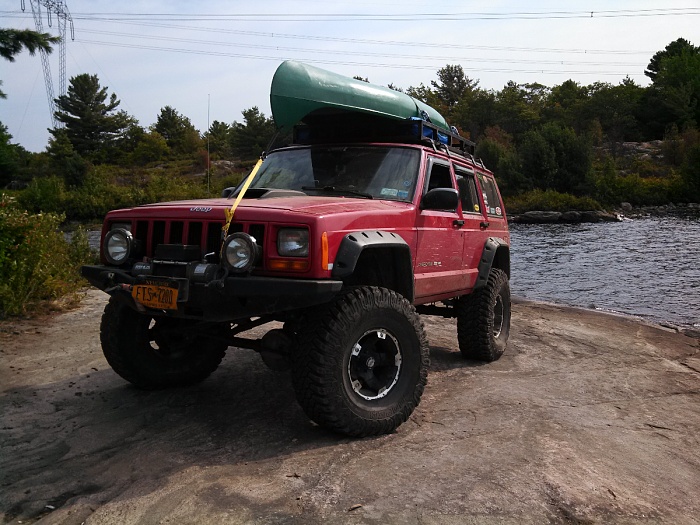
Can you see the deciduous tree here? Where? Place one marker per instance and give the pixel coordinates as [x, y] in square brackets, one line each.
[615, 108]
[566, 104]
[519, 106]
[151, 147]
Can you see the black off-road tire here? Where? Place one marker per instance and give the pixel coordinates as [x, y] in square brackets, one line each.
[346, 373]
[156, 352]
[483, 319]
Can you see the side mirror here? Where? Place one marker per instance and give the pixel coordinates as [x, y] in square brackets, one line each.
[440, 199]
[226, 192]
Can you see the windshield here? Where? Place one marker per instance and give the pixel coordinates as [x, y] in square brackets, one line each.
[387, 173]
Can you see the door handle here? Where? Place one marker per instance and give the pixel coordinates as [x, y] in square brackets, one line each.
[458, 222]
[484, 224]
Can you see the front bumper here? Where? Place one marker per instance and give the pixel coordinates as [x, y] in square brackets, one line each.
[228, 299]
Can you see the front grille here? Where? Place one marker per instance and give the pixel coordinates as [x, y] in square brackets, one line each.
[257, 231]
[150, 234]
[205, 234]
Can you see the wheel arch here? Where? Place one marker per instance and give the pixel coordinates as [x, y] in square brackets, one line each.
[496, 254]
[375, 258]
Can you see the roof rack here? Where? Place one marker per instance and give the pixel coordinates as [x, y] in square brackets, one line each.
[349, 127]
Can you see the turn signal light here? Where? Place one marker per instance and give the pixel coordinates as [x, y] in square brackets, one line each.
[288, 265]
[324, 251]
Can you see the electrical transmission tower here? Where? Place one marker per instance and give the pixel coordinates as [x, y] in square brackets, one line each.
[60, 10]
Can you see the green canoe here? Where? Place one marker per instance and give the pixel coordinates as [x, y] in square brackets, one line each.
[299, 90]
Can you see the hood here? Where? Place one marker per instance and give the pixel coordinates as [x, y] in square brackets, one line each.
[260, 208]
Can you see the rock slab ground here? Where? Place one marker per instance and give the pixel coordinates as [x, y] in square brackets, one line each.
[587, 418]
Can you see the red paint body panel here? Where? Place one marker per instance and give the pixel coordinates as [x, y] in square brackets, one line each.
[445, 246]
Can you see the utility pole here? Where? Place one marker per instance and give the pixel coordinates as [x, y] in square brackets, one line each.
[60, 10]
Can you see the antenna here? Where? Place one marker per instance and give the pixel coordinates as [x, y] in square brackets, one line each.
[208, 154]
[60, 9]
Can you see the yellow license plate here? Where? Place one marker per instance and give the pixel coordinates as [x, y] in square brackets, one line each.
[156, 296]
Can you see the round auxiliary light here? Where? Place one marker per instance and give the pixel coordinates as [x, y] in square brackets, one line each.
[240, 252]
[117, 246]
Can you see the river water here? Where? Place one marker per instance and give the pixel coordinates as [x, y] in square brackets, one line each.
[646, 267]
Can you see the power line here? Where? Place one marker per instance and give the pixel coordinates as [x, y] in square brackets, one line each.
[444, 58]
[268, 34]
[348, 63]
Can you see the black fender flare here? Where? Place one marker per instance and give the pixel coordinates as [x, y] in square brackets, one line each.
[353, 244]
[492, 247]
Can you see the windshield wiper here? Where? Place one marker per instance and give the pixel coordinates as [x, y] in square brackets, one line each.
[342, 191]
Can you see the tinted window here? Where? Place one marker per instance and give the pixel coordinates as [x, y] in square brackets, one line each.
[439, 177]
[467, 190]
[490, 194]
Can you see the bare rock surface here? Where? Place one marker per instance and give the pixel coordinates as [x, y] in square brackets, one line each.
[587, 418]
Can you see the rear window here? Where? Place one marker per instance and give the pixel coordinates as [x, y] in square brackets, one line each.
[491, 200]
[467, 190]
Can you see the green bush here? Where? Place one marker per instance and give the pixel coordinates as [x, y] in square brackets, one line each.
[649, 191]
[36, 262]
[104, 190]
[642, 185]
[219, 184]
[611, 187]
[166, 188]
[45, 194]
[549, 200]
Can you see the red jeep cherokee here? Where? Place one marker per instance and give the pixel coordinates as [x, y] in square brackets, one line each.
[344, 242]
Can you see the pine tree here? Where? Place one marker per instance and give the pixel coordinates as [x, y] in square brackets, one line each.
[12, 41]
[92, 122]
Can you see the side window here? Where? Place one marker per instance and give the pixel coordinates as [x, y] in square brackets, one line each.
[467, 190]
[490, 193]
[439, 177]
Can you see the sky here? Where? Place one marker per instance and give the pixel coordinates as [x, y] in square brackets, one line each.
[212, 60]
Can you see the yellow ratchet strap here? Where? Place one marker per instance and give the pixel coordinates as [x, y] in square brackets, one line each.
[232, 210]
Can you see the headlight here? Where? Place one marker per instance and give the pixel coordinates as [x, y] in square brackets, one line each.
[240, 252]
[118, 245]
[293, 242]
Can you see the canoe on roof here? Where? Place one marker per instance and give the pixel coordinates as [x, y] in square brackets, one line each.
[300, 91]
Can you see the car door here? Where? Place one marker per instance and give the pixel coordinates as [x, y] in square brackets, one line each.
[438, 264]
[475, 224]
